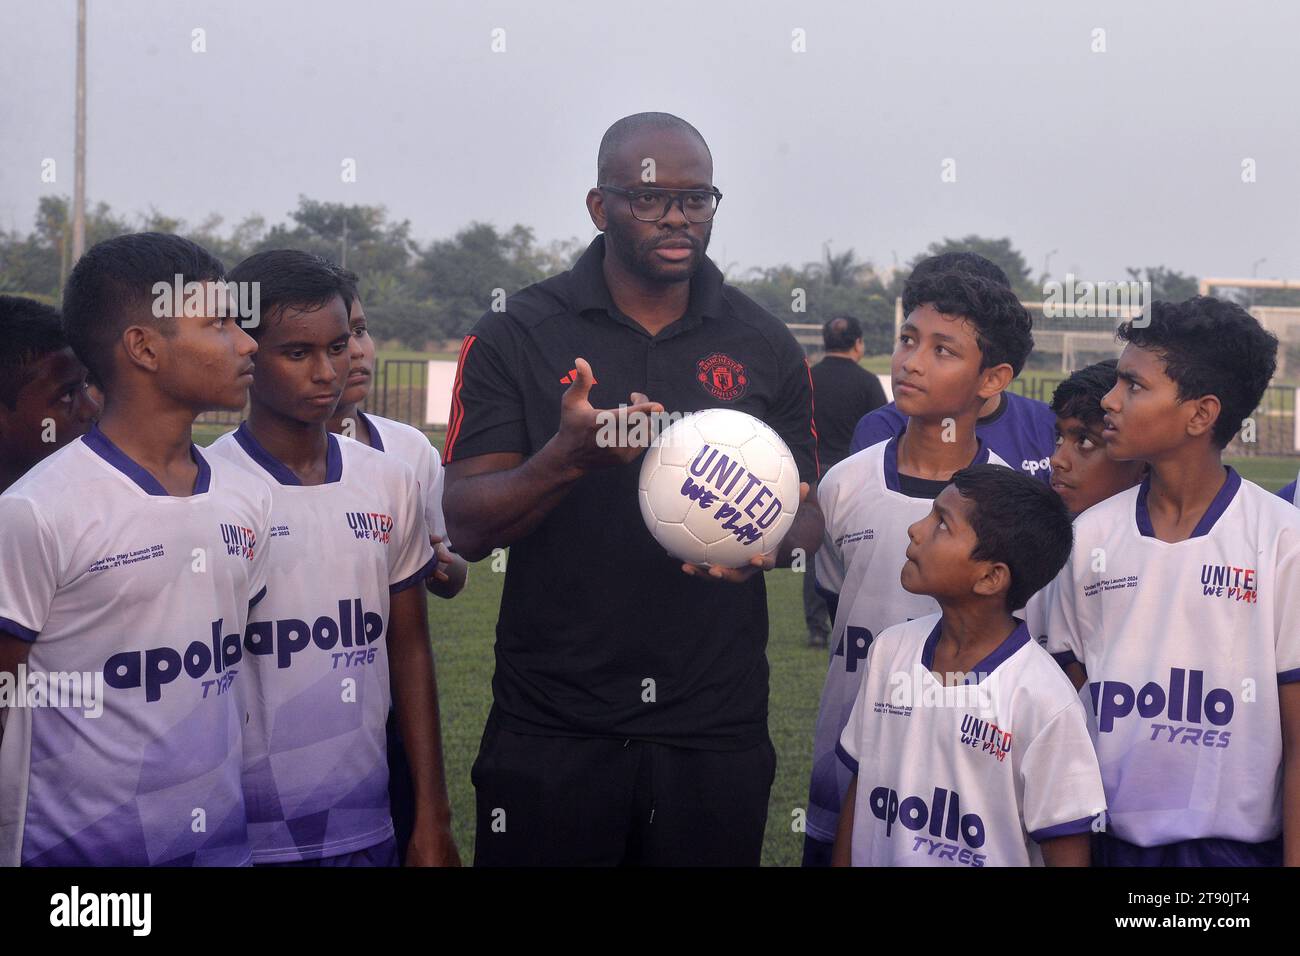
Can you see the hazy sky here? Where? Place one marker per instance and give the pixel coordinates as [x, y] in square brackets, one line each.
[1132, 156]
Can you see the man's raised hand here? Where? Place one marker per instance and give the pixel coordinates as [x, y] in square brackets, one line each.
[581, 424]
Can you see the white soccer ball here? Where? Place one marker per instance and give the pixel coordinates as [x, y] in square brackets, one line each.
[719, 487]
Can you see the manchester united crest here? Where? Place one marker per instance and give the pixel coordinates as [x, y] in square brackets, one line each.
[722, 376]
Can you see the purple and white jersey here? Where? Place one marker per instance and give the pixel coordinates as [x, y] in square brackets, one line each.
[145, 597]
[315, 654]
[858, 565]
[1022, 432]
[412, 446]
[1185, 645]
[1036, 614]
[974, 774]
[1291, 493]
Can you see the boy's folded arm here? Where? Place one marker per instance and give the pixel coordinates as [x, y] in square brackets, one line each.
[13, 652]
[1077, 673]
[1072, 850]
[1289, 704]
[842, 851]
[1286, 623]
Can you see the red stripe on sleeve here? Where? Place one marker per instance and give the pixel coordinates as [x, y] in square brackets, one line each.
[812, 417]
[457, 409]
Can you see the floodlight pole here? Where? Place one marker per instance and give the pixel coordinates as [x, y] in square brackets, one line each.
[79, 173]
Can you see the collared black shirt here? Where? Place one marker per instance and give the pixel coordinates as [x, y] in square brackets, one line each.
[845, 392]
[600, 633]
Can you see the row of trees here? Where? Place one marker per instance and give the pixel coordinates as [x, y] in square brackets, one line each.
[419, 294]
[416, 294]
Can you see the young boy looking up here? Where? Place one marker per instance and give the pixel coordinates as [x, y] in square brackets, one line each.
[1018, 429]
[1177, 607]
[44, 403]
[956, 348]
[350, 549]
[967, 744]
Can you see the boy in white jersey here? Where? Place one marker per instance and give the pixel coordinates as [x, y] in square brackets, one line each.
[966, 744]
[349, 550]
[958, 346]
[139, 559]
[1178, 607]
[411, 446]
[1082, 473]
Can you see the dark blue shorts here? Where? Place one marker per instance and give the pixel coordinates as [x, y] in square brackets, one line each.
[816, 854]
[1112, 851]
[381, 854]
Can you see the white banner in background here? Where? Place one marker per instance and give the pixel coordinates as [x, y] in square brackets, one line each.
[437, 394]
[1296, 407]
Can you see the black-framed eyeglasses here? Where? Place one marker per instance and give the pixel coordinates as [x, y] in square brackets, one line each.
[651, 203]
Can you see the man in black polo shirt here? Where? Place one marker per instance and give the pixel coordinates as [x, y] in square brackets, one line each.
[629, 722]
[845, 392]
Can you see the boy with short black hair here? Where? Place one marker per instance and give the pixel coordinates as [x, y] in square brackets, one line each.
[140, 556]
[1177, 607]
[1082, 473]
[966, 743]
[44, 403]
[956, 348]
[345, 610]
[1017, 428]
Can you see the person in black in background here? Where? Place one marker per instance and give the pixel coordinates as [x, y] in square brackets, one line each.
[843, 392]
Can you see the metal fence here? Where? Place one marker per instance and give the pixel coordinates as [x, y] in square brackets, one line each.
[1039, 388]
[400, 386]
[228, 420]
[1274, 421]
[397, 392]
[1274, 425]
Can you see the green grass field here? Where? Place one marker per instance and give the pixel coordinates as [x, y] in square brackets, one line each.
[463, 634]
